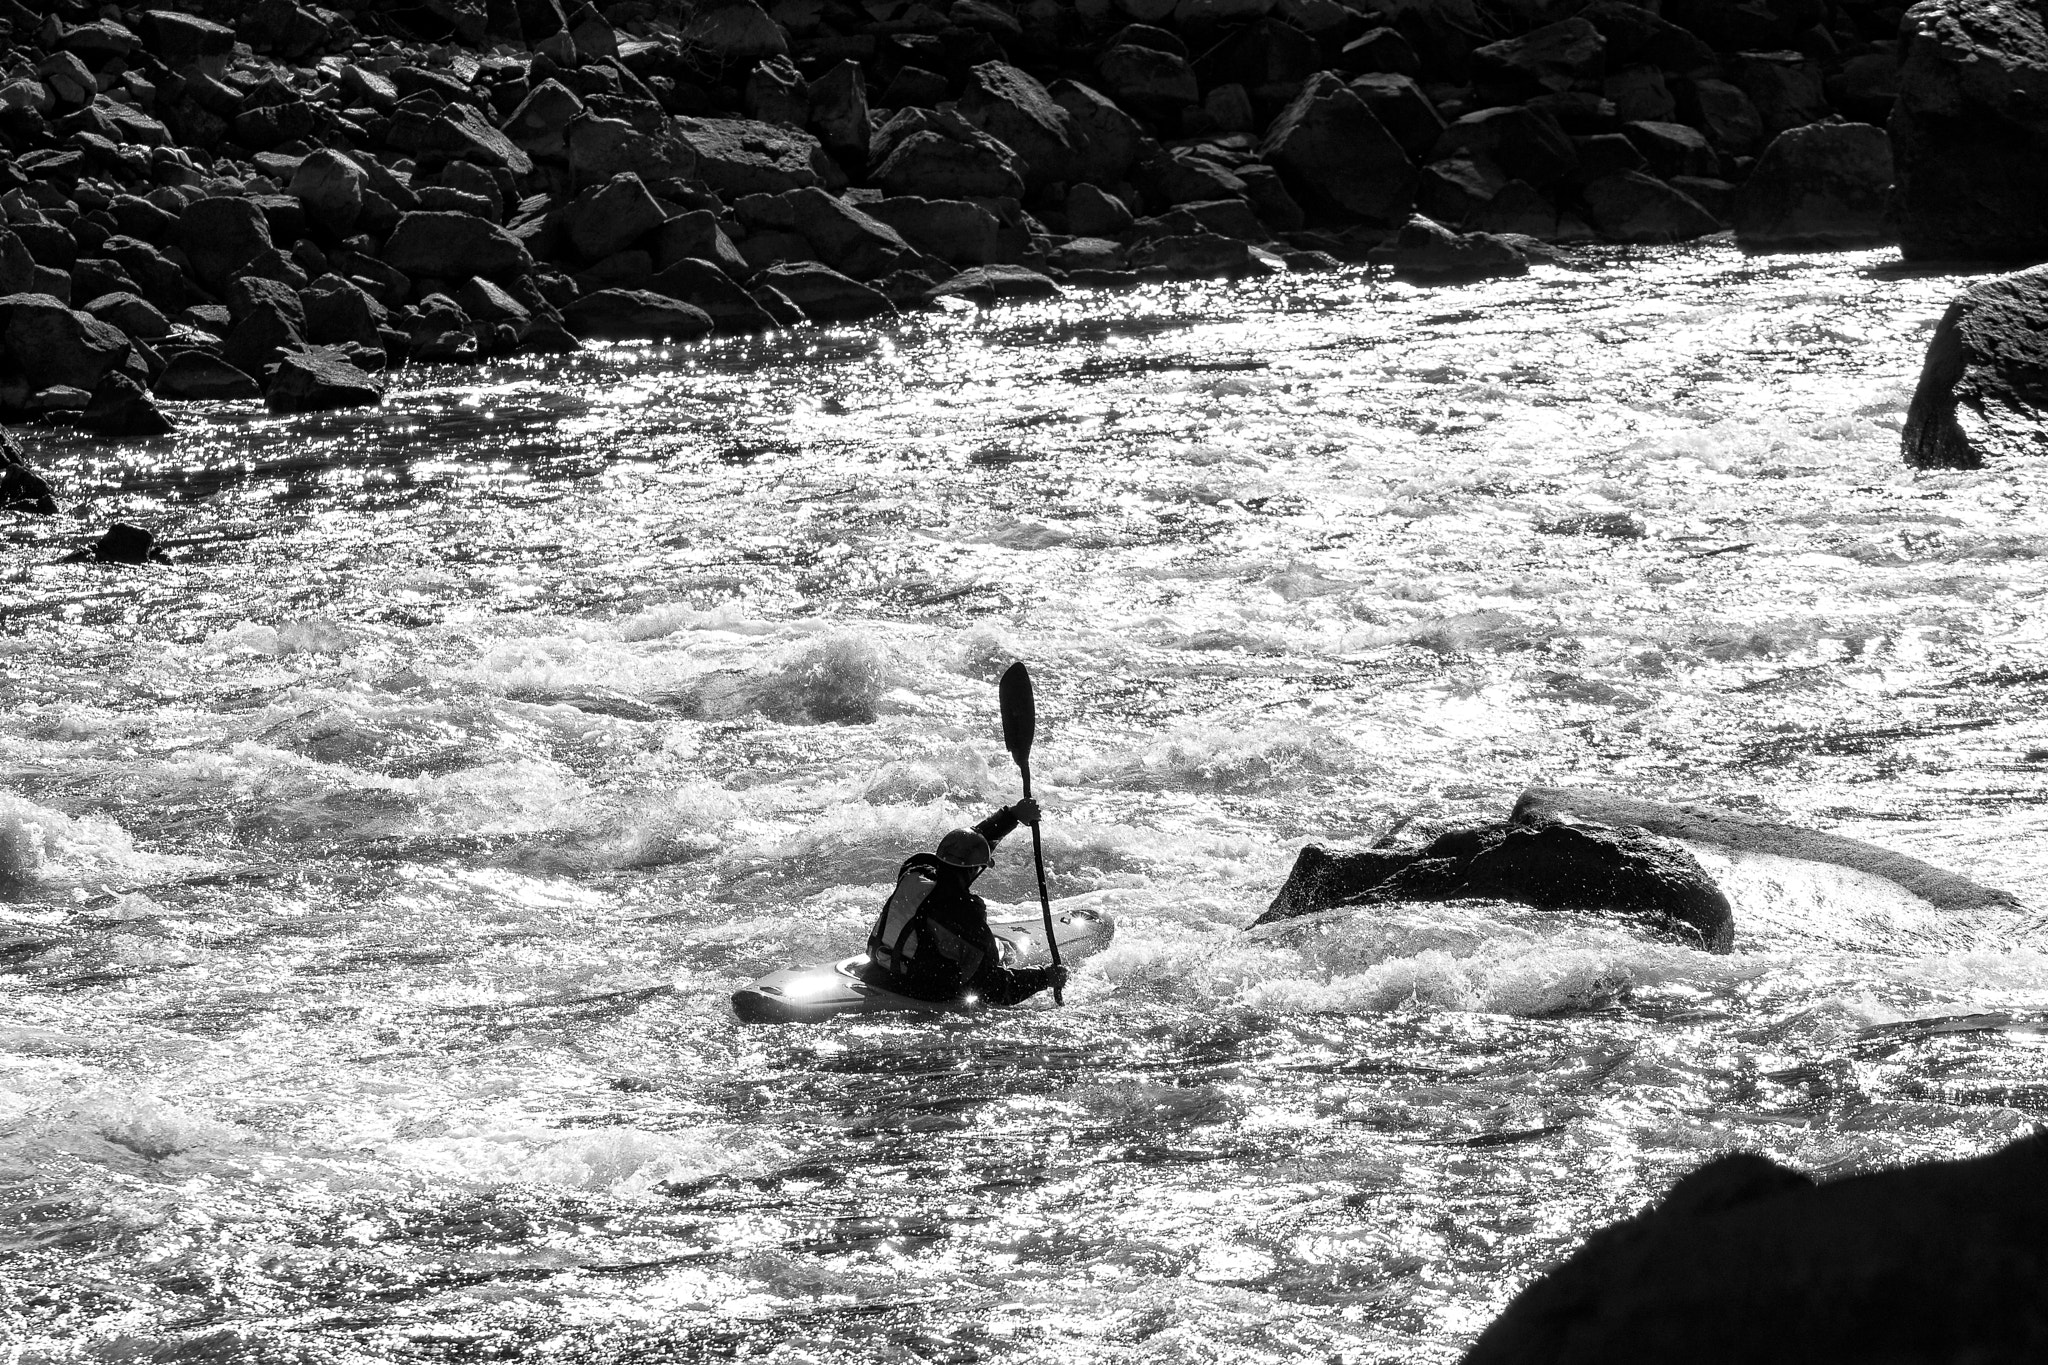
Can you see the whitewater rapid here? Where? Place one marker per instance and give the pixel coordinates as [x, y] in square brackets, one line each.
[373, 877]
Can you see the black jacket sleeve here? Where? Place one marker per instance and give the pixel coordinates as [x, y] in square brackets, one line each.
[996, 826]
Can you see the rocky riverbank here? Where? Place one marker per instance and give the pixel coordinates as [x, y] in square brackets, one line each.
[279, 200]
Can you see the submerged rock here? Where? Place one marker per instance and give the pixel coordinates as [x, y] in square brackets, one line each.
[1746, 1260]
[986, 284]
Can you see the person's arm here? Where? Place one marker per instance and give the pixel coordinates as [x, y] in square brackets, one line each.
[993, 829]
[1000, 986]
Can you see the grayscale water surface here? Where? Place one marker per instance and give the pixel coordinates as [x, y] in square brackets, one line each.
[375, 876]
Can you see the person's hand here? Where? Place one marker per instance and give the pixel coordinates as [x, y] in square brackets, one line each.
[1026, 811]
[1060, 975]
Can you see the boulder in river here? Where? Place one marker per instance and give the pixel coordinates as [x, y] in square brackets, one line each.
[200, 375]
[701, 284]
[126, 543]
[122, 407]
[634, 315]
[1628, 206]
[987, 284]
[824, 294]
[1818, 188]
[1969, 133]
[22, 489]
[1747, 1260]
[1983, 391]
[841, 235]
[320, 379]
[1428, 250]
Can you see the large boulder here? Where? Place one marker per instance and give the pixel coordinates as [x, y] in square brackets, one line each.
[1983, 390]
[634, 315]
[1567, 55]
[1788, 90]
[540, 122]
[121, 407]
[841, 235]
[181, 40]
[320, 380]
[839, 112]
[455, 132]
[330, 186]
[51, 344]
[824, 294]
[1746, 1260]
[132, 314]
[987, 284]
[339, 311]
[735, 30]
[198, 376]
[701, 284]
[598, 149]
[936, 163]
[696, 234]
[1155, 83]
[1333, 151]
[1526, 143]
[1818, 188]
[1970, 132]
[1629, 206]
[956, 231]
[1012, 107]
[1427, 250]
[608, 217]
[744, 156]
[1108, 141]
[221, 236]
[446, 245]
[17, 265]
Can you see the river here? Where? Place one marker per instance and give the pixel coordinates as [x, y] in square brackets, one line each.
[373, 876]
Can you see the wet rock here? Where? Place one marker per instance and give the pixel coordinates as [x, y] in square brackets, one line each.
[1969, 130]
[1747, 1260]
[1090, 255]
[121, 407]
[330, 187]
[1819, 188]
[132, 314]
[634, 315]
[778, 305]
[221, 237]
[824, 294]
[599, 149]
[1014, 109]
[49, 343]
[703, 285]
[454, 245]
[1203, 256]
[1567, 55]
[1983, 391]
[839, 112]
[936, 157]
[734, 30]
[1429, 250]
[1333, 150]
[22, 489]
[200, 376]
[840, 234]
[742, 156]
[320, 379]
[124, 543]
[1632, 207]
[988, 284]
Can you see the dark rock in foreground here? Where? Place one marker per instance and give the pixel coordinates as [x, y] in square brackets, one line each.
[1970, 132]
[1983, 390]
[1745, 1260]
[320, 380]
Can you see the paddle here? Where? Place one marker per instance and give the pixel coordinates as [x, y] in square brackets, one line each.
[1020, 726]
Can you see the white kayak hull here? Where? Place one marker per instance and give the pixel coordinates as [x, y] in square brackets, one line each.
[827, 990]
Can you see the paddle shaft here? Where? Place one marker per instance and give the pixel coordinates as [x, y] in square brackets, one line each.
[1038, 858]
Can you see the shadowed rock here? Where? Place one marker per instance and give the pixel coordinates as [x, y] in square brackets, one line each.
[1818, 188]
[1746, 1260]
[320, 380]
[1983, 389]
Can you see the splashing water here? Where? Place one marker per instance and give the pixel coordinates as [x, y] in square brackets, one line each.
[375, 875]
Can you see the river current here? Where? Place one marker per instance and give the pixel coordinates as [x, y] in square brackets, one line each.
[374, 875]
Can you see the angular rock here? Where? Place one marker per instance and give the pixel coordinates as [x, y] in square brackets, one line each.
[1818, 188]
[1156, 84]
[1629, 206]
[1108, 141]
[742, 156]
[824, 294]
[839, 111]
[608, 217]
[1672, 149]
[954, 230]
[22, 489]
[321, 380]
[539, 123]
[1428, 250]
[197, 376]
[249, 293]
[1722, 112]
[599, 149]
[1221, 217]
[1334, 151]
[489, 304]
[1091, 212]
[1013, 108]
[262, 338]
[456, 132]
[634, 315]
[1787, 89]
[132, 314]
[1567, 55]
[221, 237]
[1526, 143]
[17, 266]
[1970, 132]
[1639, 94]
[779, 306]
[701, 284]
[454, 246]
[840, 234]
[1203, 256]
[776, 92]
[124, 543]
[697, 234]
[1637, 35]
[121, 407]
[51, 344]
[1983, 392]
[330, 187]
[733, 30]
[1746, 1260]
[1401, 107]
[181, 40]
[339, 311]
[987, 284]
[933, 165]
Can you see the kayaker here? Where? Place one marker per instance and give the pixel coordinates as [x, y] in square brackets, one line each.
[932, 939]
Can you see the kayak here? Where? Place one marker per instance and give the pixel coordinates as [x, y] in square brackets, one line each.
[811, 995]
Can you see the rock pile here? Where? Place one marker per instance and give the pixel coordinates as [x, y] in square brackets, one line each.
[193, 193]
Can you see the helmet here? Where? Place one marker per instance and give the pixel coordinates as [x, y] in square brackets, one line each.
[965, 848]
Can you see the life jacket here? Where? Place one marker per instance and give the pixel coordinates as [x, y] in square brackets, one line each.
[910, 938]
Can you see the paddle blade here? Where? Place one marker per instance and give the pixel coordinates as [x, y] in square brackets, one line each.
[1020, 711]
